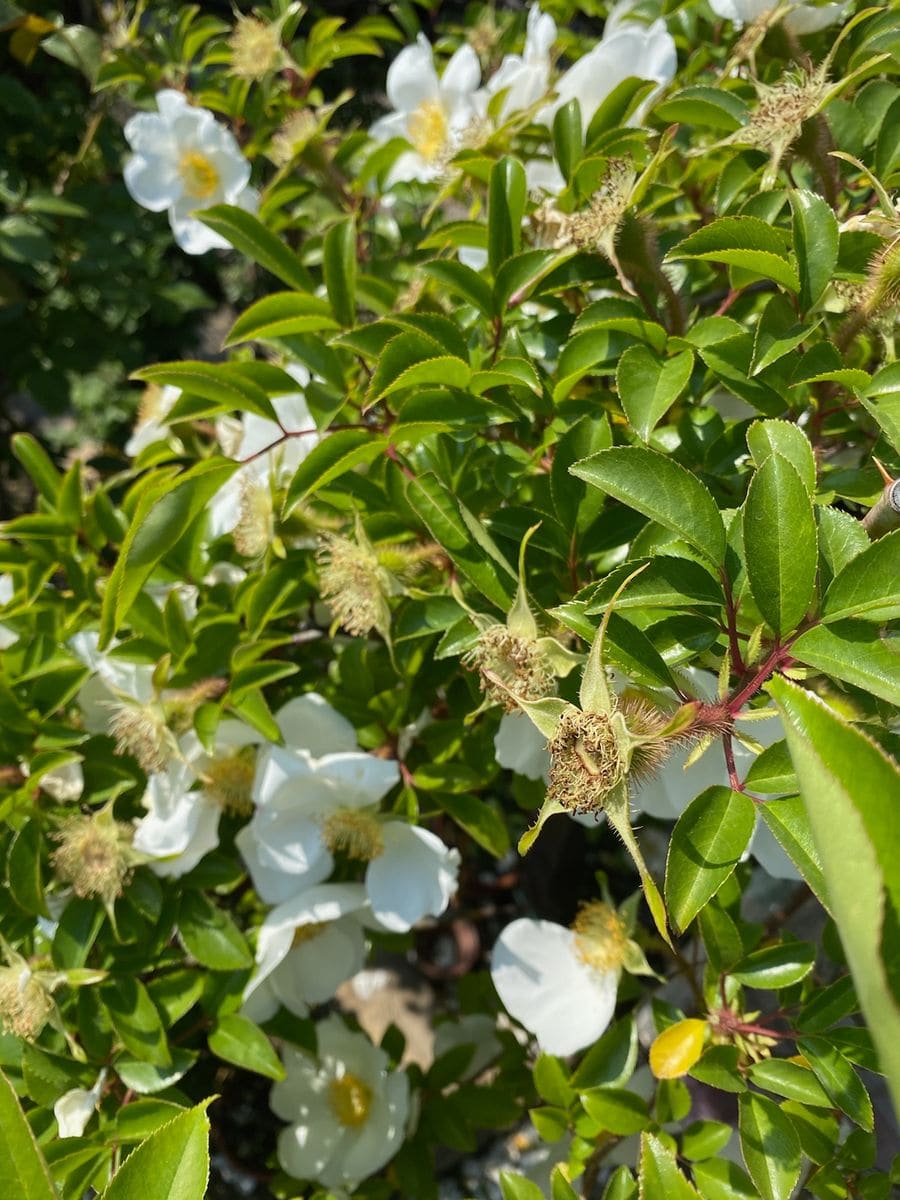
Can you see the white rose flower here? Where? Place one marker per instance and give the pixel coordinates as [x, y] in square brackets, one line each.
[185, 160]
[804, 17]
[626, 49]
[431, 114]
[305, 950]
[113, 681]
[317, 796]
[561, 983]
[272, 458]
[75, 1108]
[519, 746]
[7, 590]
[347, 1110]
[525, 77]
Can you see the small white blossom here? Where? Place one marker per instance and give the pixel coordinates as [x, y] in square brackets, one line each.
[152, 423]
[184, 160]
[318, 796]
[305, 950]
[804, 17]
[525, 77]
[432, 114]
[7, 590]
[347, 1110]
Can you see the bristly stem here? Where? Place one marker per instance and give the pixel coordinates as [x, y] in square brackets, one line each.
[737, 660]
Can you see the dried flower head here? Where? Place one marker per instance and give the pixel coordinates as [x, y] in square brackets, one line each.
[595, 228]
[255, 48]
[884, 278]
[511, 667]
[25, 1004]
[293, 137]
[353, 584]
[92, 856]
[256, 526]
[586, 761]
[778, 118]
[141, 731]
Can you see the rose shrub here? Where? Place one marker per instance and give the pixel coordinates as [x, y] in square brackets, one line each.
[514, 599]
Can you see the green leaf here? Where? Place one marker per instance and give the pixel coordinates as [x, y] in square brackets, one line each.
[616, 107]
[135, 1019]
[667, 582]
[332, 457]
[704, 1139]
[719, 1179]
[506, 207]
[610, 1062]
[658, 1175]
[552, 1081]
[745, 242]
[440, 512]
[765, 438]
[662, 490]
[23, 868]
[23, 1172]
[616, 1110]
[770, 1146]
[226, 386]
[649, 386]
[144, 1078]
[41, 471]
[838, 1079]
[464, 282]
[172, 1164]
[517, 1187]
[855, 652]
[339, 269]
[846, 781]
[248, 234]
[238, 1040]
[789, 824]
[164, 513]
[280, 315]
[780, 540]
[482, 822]
[816, 238]
[775, 966]
[791, 1080]
[706, 845]
[867, 586]
[709, 107]
[210, 934]
[568, 137]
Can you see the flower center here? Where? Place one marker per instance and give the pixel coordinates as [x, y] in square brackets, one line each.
[354, 833]
[308, 932]
[228, 780]
[141, 731]
[600, 936]
[350, 1099]
[427, 129]
[199, 176]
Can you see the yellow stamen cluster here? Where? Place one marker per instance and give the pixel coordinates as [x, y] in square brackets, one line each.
[350, 1100]
[198, 175]
[141, 731]
[255, 528]
[355, 833]
[92, 856]
[585, 761]
[228, 779]
[518, 663]
[352, 582]
[600, 936]
[428, 130]
[25, 1005]
[308, 933]
[255, 48]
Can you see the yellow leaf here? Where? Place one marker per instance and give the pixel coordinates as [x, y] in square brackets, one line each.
[677, 1048]
[28, 36]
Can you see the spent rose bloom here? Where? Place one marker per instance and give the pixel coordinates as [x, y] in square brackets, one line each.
[804, 17]
[347, 1110]
[185, 160]
[75, 1108]
[430, 113]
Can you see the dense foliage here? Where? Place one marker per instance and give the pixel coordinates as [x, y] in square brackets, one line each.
[514, 598]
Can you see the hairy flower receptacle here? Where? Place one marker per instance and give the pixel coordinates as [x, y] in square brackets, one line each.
[511, 668]
[25, 1004]
[586, 761]
[92, 856]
